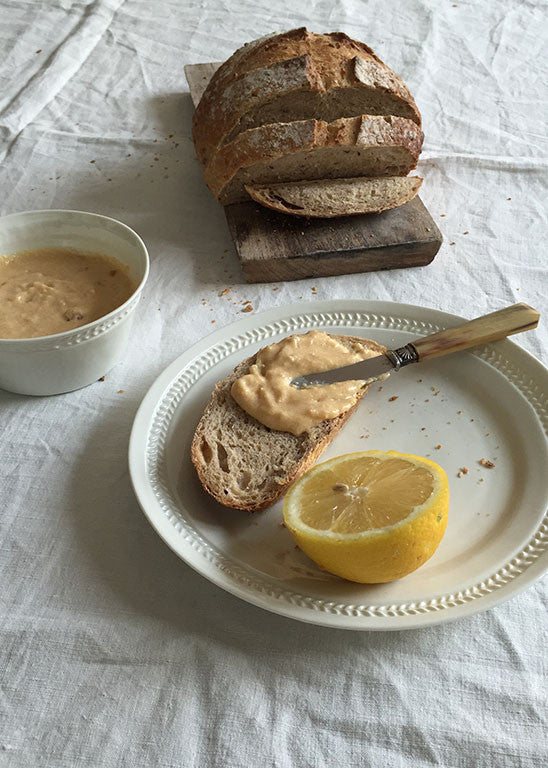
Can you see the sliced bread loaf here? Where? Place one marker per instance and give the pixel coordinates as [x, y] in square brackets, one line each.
[294, 76]
[245, 465]
[370, 145]
[337, 197]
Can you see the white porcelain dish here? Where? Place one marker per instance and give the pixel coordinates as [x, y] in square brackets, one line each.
[62, 362]
[490, 403]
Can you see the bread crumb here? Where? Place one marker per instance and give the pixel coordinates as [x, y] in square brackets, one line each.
[486, 463]
[224, 292]
[438, 447]
[281, 524]
[40, 51]
[380, 389]
[422, 429]
[459, 412]
[453, 243]
[465, 233]
[247, 308]
[276, 288]
[508, 198]
[101, 379]
[213, 321]
[427, 400]
[120, 391]
[442, 215]
[419, 380]
[391, 399]
[92, 161]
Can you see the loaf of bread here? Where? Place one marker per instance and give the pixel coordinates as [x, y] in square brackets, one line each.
[295, 76]
[336, 197]
[245, 465]
[300, 106]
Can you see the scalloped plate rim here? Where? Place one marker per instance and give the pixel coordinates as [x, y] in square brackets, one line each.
[168, 533]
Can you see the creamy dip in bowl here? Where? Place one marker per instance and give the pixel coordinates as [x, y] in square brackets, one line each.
[65, 270]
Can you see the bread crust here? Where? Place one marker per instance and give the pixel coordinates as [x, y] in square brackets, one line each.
[253, 76]
[313, 443]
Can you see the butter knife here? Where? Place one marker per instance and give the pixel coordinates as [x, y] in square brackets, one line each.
[497, 325]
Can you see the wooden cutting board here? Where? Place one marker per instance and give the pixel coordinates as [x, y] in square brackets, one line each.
[272, 246]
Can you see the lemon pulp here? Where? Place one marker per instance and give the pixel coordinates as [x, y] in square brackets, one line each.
[369, 517]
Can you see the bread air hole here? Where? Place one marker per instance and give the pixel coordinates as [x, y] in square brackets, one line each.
[205, 450]
[244, 478]
[222, 458]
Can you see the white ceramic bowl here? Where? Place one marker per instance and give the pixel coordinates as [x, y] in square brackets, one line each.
[62, 362]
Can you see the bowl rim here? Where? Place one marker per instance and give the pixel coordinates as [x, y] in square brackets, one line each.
[113, 312]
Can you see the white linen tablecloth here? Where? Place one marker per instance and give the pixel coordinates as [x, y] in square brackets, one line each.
[112, 651]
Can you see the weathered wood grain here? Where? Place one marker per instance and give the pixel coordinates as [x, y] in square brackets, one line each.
[272, 246]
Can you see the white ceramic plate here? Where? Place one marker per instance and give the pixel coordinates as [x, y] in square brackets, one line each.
[490, 403]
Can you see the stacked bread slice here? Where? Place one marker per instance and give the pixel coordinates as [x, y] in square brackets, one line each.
[306, 108]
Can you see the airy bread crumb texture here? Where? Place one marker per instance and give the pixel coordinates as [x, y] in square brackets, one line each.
[337, 197]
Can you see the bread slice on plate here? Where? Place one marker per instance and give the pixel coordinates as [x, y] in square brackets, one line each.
[245, 465]
[369, 145]
[296, 75]
[337, 197]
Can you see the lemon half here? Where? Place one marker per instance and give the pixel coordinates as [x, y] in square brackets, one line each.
[369, 517]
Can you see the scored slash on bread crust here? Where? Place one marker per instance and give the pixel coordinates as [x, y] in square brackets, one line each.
[369, 145]
[337, 197]
[296, 75]
[245, 465]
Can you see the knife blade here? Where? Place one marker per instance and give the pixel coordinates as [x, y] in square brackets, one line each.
[372, 369]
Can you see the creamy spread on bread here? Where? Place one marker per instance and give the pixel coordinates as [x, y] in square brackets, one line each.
[265, 392]
[50, 290]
